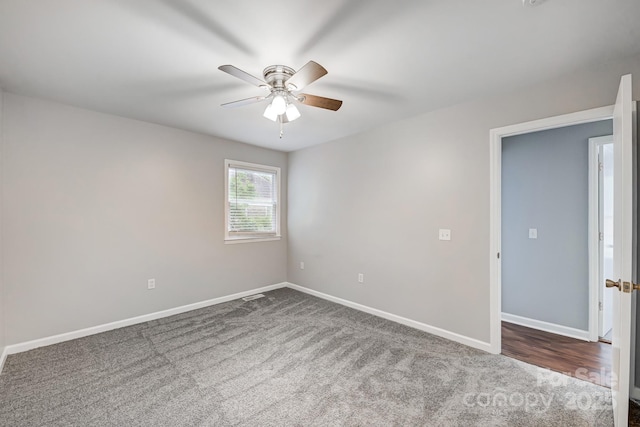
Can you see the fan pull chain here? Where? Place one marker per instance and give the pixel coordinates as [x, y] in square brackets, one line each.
[281, 128]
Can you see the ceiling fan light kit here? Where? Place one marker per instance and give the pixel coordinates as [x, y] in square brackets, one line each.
[282, 83]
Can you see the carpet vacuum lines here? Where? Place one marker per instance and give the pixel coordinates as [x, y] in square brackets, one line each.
[286, 359]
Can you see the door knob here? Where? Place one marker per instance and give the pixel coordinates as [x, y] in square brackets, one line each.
[611, 284]
[626, 287]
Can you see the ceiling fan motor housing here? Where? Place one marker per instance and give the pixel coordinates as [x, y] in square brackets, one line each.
[277, 75]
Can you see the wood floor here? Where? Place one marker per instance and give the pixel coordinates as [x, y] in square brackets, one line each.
[589, 361]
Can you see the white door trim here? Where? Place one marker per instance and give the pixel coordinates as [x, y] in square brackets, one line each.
[594, 238]
[495, 200]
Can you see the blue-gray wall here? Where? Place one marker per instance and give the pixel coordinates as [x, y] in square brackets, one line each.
[545, 186]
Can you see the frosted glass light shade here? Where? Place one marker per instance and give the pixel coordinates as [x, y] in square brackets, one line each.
[270, 114]
[279, 104]
[292, 112]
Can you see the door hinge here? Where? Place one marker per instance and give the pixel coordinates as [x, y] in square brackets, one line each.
[600, 306]
[498, 255]
[601, 236]
[600, 166]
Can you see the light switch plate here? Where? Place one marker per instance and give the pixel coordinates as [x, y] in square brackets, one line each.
[533, 233]
[444, 234]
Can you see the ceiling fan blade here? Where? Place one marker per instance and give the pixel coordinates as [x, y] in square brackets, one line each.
[244, 102]
[320, 101]
[242, 75]
[306, 75]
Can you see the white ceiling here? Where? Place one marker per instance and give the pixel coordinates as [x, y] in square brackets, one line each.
[156, 60]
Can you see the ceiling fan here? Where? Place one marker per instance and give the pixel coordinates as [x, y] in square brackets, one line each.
[284, 85]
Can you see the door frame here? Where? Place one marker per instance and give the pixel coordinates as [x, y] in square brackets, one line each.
[495, 201]
[595, 245]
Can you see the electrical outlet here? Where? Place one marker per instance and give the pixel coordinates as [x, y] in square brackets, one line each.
[301, 265]
[360, 278]
[151, 284]
[444, 234]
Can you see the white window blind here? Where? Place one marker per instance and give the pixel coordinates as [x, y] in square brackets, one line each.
[252, 201]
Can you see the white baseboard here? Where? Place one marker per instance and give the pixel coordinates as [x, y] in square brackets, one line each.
[3, 357]
[29, 345]
[546, 326]
[471, 342]
[41, 342]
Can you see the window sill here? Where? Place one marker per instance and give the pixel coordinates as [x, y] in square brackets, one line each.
[234, 240]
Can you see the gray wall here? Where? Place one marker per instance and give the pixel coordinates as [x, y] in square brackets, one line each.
[373, 203]
[94, 205]
[545, 185]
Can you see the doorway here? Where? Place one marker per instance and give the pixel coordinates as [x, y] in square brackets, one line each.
[496, 136]
[547, 266]
[553, 261]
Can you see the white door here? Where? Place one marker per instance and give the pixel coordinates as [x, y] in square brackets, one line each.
[623, 141]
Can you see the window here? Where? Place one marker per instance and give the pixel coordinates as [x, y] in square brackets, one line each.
[252, 210]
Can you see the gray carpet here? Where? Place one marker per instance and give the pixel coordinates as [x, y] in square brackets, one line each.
[289, 359]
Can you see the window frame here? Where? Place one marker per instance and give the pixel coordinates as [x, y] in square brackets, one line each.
[249, 237]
